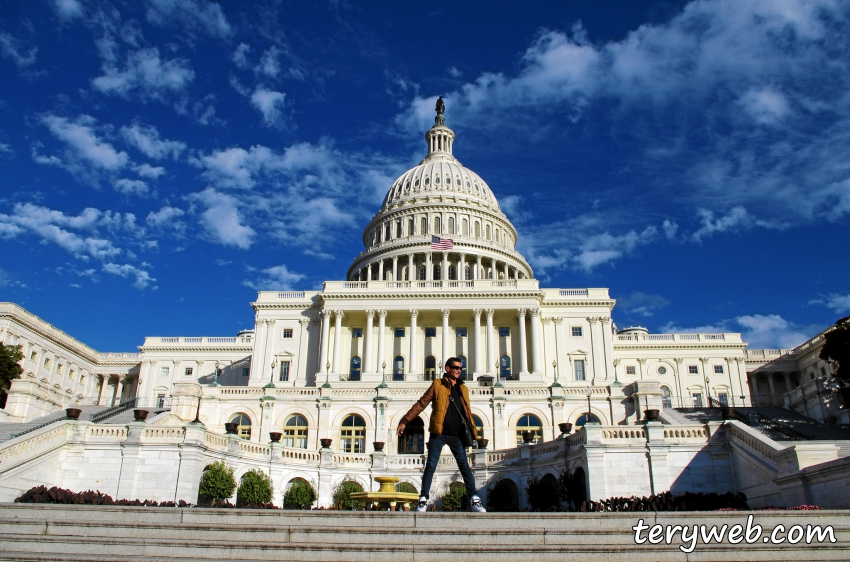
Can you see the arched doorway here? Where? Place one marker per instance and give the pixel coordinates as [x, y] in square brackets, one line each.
[412, 441]
[430, 368]
[504, 496]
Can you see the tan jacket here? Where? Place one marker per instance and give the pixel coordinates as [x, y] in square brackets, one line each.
[438, 396]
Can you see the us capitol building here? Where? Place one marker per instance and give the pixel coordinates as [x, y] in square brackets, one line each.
[439, 276]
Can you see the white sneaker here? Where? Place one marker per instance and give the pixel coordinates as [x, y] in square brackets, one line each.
[422, 506]
[475, 505]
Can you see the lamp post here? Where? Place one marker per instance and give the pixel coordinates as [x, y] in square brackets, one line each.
[383, 375]
[217, 369]
[498, 375]
[271, 376]
[327, 374]
[555, 370]
[588, 392]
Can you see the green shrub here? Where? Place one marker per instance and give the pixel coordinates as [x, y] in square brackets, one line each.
[255, 487]
[455, 499]
[217, 483]
[342, 495]
[406, 487]
[300, 495]
[543, 494]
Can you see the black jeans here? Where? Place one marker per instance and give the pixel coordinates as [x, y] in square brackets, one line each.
[435, 448]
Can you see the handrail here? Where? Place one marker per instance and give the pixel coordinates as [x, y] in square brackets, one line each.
[782, 428]
[113, 411]
[45, 424]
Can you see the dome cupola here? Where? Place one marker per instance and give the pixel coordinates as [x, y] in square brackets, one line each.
[439, 199]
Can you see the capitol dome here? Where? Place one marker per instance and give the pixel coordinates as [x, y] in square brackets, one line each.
[439, 222]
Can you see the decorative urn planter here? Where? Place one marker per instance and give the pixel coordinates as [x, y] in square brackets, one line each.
[230, 428]
[482, 443]
[73, 413]
[565, 427]
[275, 436]
[527, 436]
[326, 443]
[651, 415]
[727, 413]
[378, 445]
[140, 415]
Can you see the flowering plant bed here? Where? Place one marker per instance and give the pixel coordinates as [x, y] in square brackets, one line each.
[42, 494]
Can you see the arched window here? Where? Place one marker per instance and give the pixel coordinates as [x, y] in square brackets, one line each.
[438, 272]
[465, 227]
[430, 368]
[583, 420]
[295, 432]
[398, 368]
[388, 232]
[438, 225]
[529, 422]
[353, 435]
[244, 427]
[478, 229]
[410, 227]
[423, 226]
[497, 236]
[354, 372]
[398, 229]
[479, 427]
[488, 232]
[467, 274]
[451, 225]
[412, 441]
[666, 397]
[505, 367]
[423, 273]
[462, 367]
[452, 273]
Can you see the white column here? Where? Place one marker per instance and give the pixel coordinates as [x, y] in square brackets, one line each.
[444, 271]
[381, 270]
[412, 370]
[326, 333]
[523, 351]
[536, 343]
[369, 272]
[411, 272]
[382, 320]
[429, 266]
[446, 341]
[559, 342]
[476, 331]
[477, 268]
[461, 270]
[597, 348]
[742, 380]
[491, 344]
[395, 268]
[269, 345]
[261, 331]
[338, 314]
[368, 363]
[506, 271]
[608, 346]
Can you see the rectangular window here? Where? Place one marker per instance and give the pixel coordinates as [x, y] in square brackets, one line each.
[630, 369]
[82, 379]
[284, 371]
[693, 370]
[164, 372]
[697, 398]
[245, 371]
[357, 332]
[33, 356]
[287, 333]
[576, 331]
[160, 400]
[718, 369]
[47, 362]
[579, 366]
[430, 332]
[504, 332]
[60, 368]
[188, 371]
[71, 374]
[461, 332]
[399, 332]
[723, 398]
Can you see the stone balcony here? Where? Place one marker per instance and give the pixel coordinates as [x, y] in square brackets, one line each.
[187, 342]
[685, 339]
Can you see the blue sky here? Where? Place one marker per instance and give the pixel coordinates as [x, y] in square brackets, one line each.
[162, 160]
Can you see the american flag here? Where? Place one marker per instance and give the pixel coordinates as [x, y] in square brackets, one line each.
[438, 243]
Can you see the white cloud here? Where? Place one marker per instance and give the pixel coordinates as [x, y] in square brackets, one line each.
[269, 64]
[130, 187]
[270, 104]
[148, 171]
[758, 330]
[147, 140]
[277, 278]
[83, 144]
[193, 14]
[454, 72]
[240, 55]
[146, 74]
[736, 219]
[837, 303]
[12, 48]
[670, 228]
[765, 105]
[222, 219]
[166, 216]
[641, 304]
[142, 277]
[68, 10]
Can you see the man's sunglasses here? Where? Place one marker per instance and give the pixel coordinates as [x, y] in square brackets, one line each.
[454, 367]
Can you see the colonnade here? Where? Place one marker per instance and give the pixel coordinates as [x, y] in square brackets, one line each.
[117, 384]
[479, 268]
[484, 356]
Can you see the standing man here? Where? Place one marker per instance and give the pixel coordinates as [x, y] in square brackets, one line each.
[449, 399]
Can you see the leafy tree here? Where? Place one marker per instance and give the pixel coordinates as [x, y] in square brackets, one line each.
[342, 494]
[836, 347]
[455, 498]
[255, 487]
[9, 369]
[300, 495]
[406, 487]
[217, 482]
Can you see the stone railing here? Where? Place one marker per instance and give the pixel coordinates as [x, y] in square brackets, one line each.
[194, 341]
[439, 285]
[679, 338]
[686, 433]
[22, 448]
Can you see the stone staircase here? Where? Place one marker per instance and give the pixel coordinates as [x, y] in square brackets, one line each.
[38, 532]
[125, 417]
[798, 422]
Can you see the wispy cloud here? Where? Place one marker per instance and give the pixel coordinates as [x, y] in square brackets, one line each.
[11, 48]
[222, 219]
[148, 141]
[759, 330]
[271, 105]
[840, 304]
[192, 15]
[641, 304]
[146, 74]
[277, 278]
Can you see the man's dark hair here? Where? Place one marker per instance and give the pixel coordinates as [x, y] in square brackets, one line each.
[453, 360]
